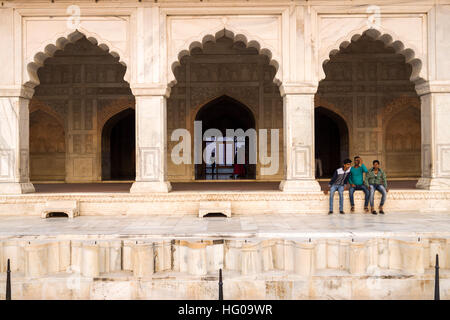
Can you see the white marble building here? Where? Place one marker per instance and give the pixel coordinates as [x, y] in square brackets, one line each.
[304, 50]
[91, 91]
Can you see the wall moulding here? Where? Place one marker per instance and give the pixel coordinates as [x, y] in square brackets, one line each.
[197, 38]
[394, 29]
[433, 87]
[16, 91]
[47, 48]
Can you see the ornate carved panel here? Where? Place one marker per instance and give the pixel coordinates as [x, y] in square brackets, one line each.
[149, 158]
[6, 158]
[47, 147]
[82, 86]
[403, 142]
[46, 134]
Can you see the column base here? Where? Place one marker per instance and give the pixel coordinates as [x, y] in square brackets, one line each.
[16, 187]
[300, 186]
[437, 184]
[150, 186]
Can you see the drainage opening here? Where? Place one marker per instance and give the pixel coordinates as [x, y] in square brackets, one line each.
[214, 215]
[57, 215]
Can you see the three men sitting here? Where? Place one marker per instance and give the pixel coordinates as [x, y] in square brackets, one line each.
[374, 180]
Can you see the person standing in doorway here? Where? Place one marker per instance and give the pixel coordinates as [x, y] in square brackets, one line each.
[338, 182]
[356, 182]
[212, 161]
[238, 169]
[376, 180]
[318, 163]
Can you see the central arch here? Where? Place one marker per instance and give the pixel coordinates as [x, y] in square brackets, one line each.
[370, 85]
[209, 73]
[225, 113]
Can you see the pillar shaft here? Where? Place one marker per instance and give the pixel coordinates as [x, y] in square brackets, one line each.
[151, 143]
[298, 124]
[14, 141]
[435, 114]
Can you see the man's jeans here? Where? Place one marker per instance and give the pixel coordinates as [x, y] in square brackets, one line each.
[366, 194]
[381, 189]
[340, 190]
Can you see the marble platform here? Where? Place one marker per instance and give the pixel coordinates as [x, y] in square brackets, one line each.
[246, 198]
[273, 256]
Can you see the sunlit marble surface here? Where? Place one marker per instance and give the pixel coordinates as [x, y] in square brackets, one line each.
[392, 224]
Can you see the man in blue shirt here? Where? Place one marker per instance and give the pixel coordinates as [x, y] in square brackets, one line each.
[356, 182]
[337, 183]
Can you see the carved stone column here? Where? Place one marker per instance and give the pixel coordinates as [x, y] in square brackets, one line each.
[435, 114]
[14, 140]
[151, 146]
[298, 125]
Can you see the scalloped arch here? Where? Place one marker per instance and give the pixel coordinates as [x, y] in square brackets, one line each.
[322, 102]
[59, 43]
[39, 106]
[398, 46]
[240, 37]
[117, 107]
[399, 105]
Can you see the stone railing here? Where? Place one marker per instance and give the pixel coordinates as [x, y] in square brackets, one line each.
[147, 258]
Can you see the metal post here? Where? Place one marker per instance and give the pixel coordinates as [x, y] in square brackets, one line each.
[220, 285]
[436, 279]
[8, 282]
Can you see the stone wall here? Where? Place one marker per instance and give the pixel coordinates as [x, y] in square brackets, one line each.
[47, 147]
[376, 268]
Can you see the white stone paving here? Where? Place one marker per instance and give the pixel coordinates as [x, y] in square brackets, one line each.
[399, 225]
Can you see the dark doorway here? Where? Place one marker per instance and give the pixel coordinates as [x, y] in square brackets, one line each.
[225, 113]
[331, 141]
[119, 147]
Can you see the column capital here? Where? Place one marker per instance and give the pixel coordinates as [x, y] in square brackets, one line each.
[434, 86]
[150, 89]
[305, 88]
[16, 91]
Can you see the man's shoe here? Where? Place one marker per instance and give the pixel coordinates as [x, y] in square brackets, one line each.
[374, 212]
[366, 210]
[381, 210]
[341, 212]
[330, 212]
[352, 209]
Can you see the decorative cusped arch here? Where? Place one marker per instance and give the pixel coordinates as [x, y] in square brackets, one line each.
[273, 61]
[321, 102]
[59, 42]
[251, 106]
[40, 106]
[398, 46]
[113, 109]
[324, 103]
[399, 105]
[254, 112]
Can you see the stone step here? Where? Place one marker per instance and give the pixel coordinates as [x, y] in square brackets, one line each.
[69, 207]
[206, 207]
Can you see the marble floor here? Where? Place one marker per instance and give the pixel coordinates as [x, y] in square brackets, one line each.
[357, 226]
